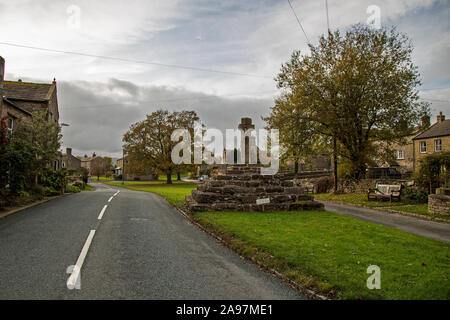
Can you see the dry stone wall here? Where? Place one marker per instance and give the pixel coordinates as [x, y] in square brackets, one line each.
[243, 188]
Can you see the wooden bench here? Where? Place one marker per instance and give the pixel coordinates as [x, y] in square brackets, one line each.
[385, 192]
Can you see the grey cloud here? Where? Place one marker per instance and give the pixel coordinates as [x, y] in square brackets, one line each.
[99, 114]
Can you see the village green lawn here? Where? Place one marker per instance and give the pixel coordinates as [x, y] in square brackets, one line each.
[327, 252]
[102, 178]
[174, 193]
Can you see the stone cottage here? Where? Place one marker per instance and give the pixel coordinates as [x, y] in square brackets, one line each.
[20, 99]
[69, 161]
[91, 163]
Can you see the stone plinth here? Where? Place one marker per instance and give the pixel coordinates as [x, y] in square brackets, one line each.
[243, 188]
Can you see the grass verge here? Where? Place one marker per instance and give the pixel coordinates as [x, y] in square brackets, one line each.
[421, 209]
[330, 253]
[360, 199]
[174, 193]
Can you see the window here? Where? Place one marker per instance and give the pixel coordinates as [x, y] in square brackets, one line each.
[438, 145]
[63, 164]
[423, 147]
[400, 154]
[10, 126]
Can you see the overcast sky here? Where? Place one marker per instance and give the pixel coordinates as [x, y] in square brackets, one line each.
[101, 98]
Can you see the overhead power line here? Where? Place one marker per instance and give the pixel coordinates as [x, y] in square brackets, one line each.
[300, 24]
[134, 61]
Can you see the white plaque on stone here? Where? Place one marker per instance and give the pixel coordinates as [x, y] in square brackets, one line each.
[263, 201]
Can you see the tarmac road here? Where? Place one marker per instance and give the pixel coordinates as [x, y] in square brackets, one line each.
[142, 248]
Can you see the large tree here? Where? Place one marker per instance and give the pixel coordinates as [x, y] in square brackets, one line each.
[355, 92]
[148, 143]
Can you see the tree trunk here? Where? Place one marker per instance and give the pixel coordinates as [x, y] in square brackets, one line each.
[169, 178]
[178, 176]
[335, 165]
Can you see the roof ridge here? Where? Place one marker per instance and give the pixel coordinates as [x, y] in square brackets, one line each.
[27, 83]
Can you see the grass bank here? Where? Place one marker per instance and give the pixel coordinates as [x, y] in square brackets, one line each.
[360, 199]
[330, 253]
[174, 193]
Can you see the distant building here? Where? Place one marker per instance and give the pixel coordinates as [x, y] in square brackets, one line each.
[433, 140]
[69, 161]
[122, 169]
[90, 163]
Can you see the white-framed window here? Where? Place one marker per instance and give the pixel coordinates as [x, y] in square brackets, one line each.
[63, 164]
[400, 154]
[437, 145]
[10, 126]
[423, 147]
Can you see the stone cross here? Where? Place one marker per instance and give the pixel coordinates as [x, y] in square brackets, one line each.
[246, 124]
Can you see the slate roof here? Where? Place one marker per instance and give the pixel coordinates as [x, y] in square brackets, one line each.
[7, 101]
[27, 91]
[438, 129]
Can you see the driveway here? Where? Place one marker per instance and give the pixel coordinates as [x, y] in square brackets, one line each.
[429, 229]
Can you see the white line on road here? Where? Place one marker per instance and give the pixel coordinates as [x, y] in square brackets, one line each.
[115, 194]
[102, 212]
[76, 270]
[109, 200]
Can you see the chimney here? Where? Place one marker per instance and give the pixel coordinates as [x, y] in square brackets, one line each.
[2, 75]
[69, 151]
[440, 117]
[425, 121]
[94, 155]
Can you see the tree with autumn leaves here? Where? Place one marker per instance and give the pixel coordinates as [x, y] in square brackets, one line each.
[354, 94]
[148, 143]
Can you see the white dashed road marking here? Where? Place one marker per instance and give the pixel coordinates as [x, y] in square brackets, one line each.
[102, 212]
[76, 270]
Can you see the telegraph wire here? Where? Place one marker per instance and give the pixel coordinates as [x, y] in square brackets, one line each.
[298, 20]
[134, 61]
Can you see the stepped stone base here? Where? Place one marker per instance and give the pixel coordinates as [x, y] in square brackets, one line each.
[242, 188]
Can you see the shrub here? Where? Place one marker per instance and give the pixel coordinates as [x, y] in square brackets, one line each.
[417, 195]
[79, 184]
[49, 191]
[433, 171]
[24, 194]
[83, 173]
[55, 179]
[17, 165]
[118, 177]
[345, 171]
[72, 189]
[37, 189]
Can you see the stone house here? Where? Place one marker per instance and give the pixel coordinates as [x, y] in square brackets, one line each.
[121, 169]
[404, 153]
[433, 140]
[91, 163]
[69, 161]
[19, 99]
